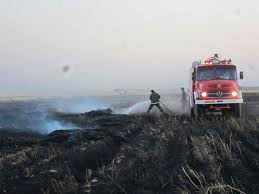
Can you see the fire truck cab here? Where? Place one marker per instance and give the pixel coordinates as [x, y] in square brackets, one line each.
[214, 88]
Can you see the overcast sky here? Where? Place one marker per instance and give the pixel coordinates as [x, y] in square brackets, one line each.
[56, 46]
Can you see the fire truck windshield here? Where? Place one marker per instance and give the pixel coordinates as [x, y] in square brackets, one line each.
[216, 73]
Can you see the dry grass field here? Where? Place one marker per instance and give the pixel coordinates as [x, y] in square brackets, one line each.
[133, 154]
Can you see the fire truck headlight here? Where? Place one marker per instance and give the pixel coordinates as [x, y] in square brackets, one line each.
[234, 93]
[204, 94]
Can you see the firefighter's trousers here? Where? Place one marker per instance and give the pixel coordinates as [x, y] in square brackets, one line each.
[154, 104]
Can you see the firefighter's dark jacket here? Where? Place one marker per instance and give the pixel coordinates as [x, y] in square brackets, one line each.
[154, 97]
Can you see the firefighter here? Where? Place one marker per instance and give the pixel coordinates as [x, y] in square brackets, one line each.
[183, 99]
[225, 75]
[154, 98]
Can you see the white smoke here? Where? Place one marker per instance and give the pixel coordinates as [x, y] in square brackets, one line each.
[74, 105]
[53, 125]
[37, 115]
[77, 104]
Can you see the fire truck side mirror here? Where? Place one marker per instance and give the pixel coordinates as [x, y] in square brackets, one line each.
[241, 75]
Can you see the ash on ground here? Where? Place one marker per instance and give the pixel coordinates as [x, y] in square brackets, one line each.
[118, 153]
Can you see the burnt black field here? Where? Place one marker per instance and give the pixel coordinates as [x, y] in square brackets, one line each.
[103, 152]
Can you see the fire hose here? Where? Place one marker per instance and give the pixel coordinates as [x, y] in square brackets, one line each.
[167, 108]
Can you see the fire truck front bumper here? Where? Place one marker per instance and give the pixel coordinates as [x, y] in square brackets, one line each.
[220, 101]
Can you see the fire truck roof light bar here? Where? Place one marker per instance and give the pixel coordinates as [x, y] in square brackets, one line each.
[212, 61]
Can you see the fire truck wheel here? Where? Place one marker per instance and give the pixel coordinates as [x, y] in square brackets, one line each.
[192, 113]
[237, 112]
[198, 112]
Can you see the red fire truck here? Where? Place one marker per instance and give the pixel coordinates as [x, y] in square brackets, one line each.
[214, 88]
